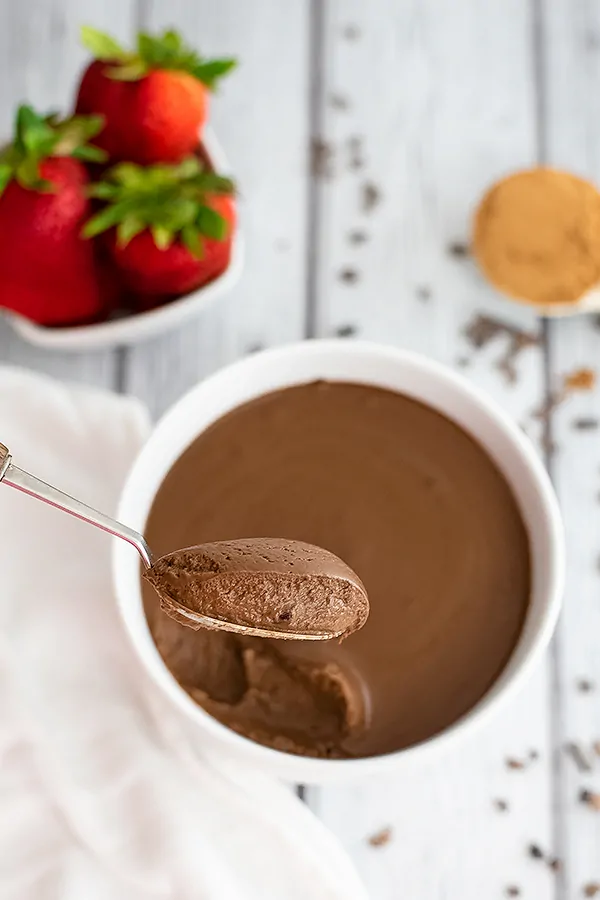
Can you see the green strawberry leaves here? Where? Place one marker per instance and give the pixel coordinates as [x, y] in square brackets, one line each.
[101, 45]
[172, 201]
[38, 137]
[165, 51]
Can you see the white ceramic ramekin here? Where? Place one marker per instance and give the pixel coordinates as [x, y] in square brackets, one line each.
[384, 367]
[136, 327]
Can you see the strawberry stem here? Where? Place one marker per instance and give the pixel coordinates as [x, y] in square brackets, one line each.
[154, 52]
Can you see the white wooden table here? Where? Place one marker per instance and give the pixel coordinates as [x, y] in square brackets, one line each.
[412, 107]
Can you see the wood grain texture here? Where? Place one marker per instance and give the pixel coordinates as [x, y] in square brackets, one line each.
[572, 140]
[437, 101]
[260, 115]
[40, 59]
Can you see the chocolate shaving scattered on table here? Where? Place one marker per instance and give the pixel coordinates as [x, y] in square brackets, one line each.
[585, 685]
[512, 763]
[501, 805]
[578, 756]
[351, 32]
[591, 889]
[459, 250]
[337, 101]
[255, 348]
[356, 152]
[349, 276]
[321, 159]
[423, 293]
[358, 237]
[534, 755]
[483, 329]
[381, 838]
[535, 852]
[582, 379]
[578, 380]
[586, 424]
[513, 891]
[555, 864]
[590, 798]
[371, 196]
[346, 331]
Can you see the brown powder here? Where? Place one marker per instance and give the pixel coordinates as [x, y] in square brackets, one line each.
[537, 236]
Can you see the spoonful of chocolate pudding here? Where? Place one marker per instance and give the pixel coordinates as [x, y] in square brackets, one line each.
[262, 587]
[268, 587]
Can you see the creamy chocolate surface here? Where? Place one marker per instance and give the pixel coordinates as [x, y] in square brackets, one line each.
[418, 510]
[280, 585]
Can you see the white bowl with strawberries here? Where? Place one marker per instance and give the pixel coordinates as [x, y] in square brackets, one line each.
[117, 224]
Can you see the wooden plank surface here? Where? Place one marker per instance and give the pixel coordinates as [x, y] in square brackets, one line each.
[571, 137]
[412, 108]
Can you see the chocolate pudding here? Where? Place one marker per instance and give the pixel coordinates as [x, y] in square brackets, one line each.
[287, 588]
[418, 510]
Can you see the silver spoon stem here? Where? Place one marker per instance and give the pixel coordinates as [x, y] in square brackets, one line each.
[29, 484]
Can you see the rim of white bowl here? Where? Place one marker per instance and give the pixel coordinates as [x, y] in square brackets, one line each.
[534, 638]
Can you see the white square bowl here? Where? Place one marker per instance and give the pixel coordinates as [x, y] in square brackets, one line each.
[135, 327]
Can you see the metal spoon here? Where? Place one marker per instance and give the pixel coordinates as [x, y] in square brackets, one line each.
[17, 478]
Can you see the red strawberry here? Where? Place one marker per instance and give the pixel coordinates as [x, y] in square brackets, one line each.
[170, 227]
[48, 273]
[154, 100]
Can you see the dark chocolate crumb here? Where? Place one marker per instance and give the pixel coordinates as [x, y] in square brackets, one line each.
[459, 250]
[337, 101]
[578, 756]
[501, 805]
[555, 864]
[321, 159]
[351, 32]
[535, 852]
[590, 798]
[423, 293]
[346, 331]
[349, 276]
[371, 196]
[358, 237]
[255, 348]
[483, 329]
[586, 424]
[585, 686]
[533, 755]
[356, 155]
[591, 889]
[381, 838]
[512, 763]
[513, 891]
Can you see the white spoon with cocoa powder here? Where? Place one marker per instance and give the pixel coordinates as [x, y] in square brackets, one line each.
[263, 587]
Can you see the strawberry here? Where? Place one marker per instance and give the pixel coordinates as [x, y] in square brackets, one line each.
[154, 100]
[47, 272]
[170, 227]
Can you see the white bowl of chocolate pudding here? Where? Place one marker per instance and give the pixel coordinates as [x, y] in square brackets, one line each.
[414, 478]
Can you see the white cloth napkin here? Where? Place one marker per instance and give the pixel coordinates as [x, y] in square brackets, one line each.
[100, 797]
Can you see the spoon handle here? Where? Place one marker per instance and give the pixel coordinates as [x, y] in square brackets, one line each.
[29, 484]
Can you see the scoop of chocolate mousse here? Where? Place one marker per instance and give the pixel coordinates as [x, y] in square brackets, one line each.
[286, 587]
